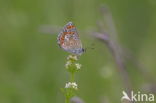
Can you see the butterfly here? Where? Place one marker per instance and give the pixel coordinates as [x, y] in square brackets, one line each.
[68, 39]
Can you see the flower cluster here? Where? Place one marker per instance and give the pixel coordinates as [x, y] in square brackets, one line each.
[71, 64]
[71, 85]
[72, 57]
[68, 64]
[78, 66]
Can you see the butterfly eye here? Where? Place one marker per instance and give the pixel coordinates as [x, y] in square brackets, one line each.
[83, 50]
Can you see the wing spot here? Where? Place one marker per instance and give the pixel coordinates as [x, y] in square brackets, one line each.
[65, 32]
[72, 32]
[69, 27]
[72, 26]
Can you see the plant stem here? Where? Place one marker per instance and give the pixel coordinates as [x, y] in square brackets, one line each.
[67, 100]
[72, 77]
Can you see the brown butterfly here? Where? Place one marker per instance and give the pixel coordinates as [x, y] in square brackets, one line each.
[68, 39]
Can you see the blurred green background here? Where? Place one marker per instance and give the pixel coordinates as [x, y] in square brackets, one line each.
[32, 65]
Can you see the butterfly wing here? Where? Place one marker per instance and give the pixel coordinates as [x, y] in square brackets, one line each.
[68, 39]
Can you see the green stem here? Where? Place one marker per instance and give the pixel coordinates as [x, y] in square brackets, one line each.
[72, 77]
[67, 100]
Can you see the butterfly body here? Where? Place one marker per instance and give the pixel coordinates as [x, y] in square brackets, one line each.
[68, 39]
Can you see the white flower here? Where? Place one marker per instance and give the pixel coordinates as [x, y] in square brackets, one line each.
[73, 57]
[78, 66]
[68, 64]
[71, 85]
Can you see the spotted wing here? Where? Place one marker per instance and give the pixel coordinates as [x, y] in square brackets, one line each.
[68, 38]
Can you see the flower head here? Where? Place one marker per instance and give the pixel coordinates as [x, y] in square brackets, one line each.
[72, 57]
[71, 85]
[78, 66]
[69, 63]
